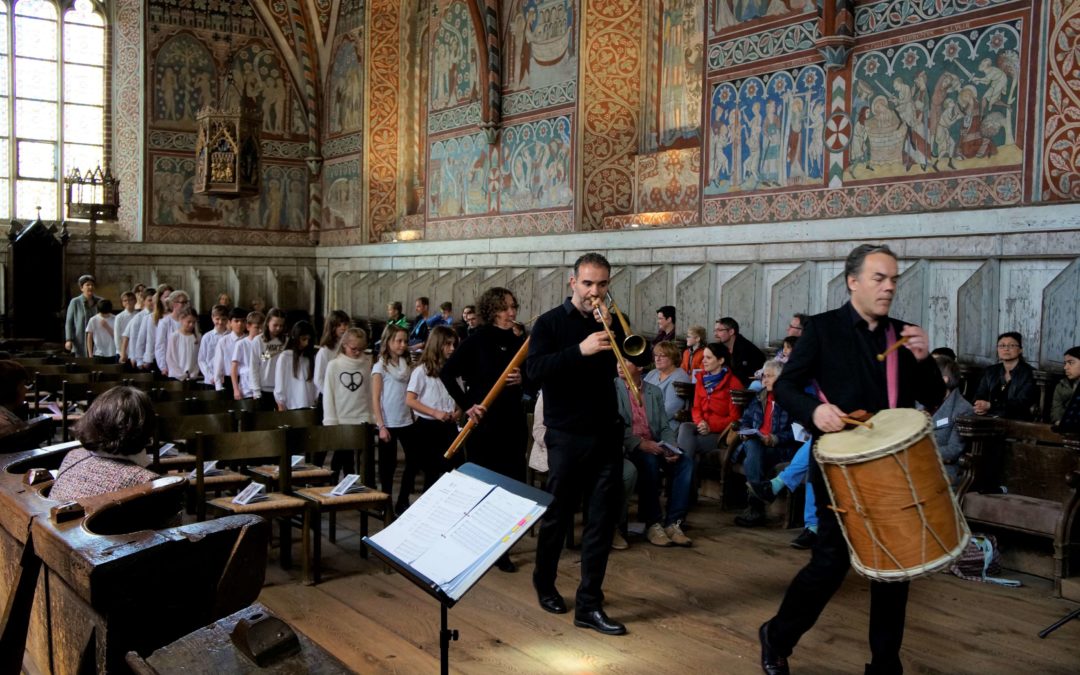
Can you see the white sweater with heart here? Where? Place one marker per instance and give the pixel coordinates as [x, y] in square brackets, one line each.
[347, 391]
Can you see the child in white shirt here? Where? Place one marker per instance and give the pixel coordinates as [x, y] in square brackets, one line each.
[99, 332]
[129, 301]
[208, 345]
[245, 361]
[182, 353]
[226, 345]
[294, 384]
[270, 343]
[178, 300]
[336, 325]
[135, 333]
[389, 379]
[347, 391]
[436, 413]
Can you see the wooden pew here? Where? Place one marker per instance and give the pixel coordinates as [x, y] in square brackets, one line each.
[1040, 471]
[81, 589]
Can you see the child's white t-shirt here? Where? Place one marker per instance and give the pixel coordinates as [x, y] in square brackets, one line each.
[101, 328]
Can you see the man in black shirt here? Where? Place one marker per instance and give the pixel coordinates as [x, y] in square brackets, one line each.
[837, 353]
[746, 359]
[570, 357]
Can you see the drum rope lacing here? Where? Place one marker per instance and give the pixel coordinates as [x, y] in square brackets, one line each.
[866, 521]
[919, 506]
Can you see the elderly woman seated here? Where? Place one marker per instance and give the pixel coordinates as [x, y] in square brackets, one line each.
[13, 379]
[114, 433]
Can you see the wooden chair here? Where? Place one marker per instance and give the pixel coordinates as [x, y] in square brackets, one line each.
[182, 430]
[250, 447]
[107, 368]
[138, 379]
[369, 502]
[272, 419]
[39, 430]
[174, 408]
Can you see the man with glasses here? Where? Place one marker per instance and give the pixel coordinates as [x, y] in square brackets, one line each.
[746, 359]
[795, 326]
[1008, 388]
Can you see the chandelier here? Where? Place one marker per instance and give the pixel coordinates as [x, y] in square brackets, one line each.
[227, 147]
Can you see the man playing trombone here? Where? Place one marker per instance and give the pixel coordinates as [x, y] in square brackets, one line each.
[571, 358]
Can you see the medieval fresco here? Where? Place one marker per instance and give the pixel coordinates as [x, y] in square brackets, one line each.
[185, 81]
[767, 132]
[344, 91]
[341, 199]
[937, 105]
[459, 176]
[282, 204]
[536, 166]
[455, 72]
[540, 44]
[259, 74]
[679, 75]
[725, 14]
[669, 180]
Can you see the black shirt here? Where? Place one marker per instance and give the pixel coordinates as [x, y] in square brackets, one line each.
[746, 359]
[578, 393]
[838, 352]
[479, 361]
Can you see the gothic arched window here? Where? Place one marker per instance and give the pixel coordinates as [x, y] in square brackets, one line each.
[52, 100]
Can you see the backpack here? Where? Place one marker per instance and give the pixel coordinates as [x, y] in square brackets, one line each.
[979, 560]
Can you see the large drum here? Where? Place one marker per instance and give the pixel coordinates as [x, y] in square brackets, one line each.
[892, 497]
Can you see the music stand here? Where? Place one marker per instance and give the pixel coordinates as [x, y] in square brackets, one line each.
[1059, 623]
[446, 635]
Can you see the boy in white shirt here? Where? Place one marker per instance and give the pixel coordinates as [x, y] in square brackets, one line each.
[129, 301]
[269, 345]
[245, 361]
[183, 350]
[208, 345]
[135, 333]
[225, 347]
[179, 300]
[99, 332]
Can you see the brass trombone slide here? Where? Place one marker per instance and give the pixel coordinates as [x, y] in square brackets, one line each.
[634, 391]
[632, 344]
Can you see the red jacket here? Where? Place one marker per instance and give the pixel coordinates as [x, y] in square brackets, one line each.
[716, 408]
[691, 364]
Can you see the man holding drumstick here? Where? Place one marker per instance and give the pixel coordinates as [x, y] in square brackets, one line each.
[571, 358]
[838, 355]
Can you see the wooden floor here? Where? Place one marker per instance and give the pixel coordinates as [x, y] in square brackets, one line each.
[688, 611]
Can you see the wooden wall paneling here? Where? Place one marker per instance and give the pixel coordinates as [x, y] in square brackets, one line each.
[252, 286]
[912, 299]
[977, 315]
[621, 288]
[837, 293]
[789, 295]
[466, 288]
[397, 288]
[551, 288]
[309, 287]
[273, 287]
[1060, 317]
[1023, 282]
[499, 277]
[741, 296]
[443, 290]
[651, 293]
[522, 283]
[422, 284]
[232, 280]
[694, 300]
[194, 286]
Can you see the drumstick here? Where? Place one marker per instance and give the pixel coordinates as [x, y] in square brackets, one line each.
[893, 347]
[852, 420]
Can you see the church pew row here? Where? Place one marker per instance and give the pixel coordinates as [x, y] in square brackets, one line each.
[84, 583]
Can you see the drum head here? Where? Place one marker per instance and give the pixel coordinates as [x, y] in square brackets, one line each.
[893, 430]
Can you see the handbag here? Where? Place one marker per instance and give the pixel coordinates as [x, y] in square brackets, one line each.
[980, 560]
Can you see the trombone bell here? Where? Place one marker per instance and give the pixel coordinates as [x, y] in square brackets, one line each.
[634, 345]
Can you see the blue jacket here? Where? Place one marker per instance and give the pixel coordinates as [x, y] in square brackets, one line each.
[781, 420]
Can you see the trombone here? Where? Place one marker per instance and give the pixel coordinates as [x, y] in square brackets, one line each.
[630, 341]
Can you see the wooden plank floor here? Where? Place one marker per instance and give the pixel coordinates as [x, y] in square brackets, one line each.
[688, 611]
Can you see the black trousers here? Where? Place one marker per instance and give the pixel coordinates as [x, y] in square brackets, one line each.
[388, 456]
[580, 465]
[429, 440]
[816, 583]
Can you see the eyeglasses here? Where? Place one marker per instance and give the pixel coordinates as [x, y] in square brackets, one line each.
[723, 330]
[794, 326]
[660, 356]
[1010, 345]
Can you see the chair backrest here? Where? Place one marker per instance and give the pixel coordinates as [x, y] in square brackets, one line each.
[48, 369]
[272, 419]
[107, 367]
[98, 388]
[207, 395]
[173, 408]
[133, 378]
[315, 439]
[148, 506]
[242, 448]
[185, 427]
[172, 385]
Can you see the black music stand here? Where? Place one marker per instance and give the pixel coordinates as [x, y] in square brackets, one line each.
[446, 635]
[1075, 614]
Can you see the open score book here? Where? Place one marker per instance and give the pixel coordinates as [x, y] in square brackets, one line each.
[456, 530]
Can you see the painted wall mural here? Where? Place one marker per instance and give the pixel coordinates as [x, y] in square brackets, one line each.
[455, 73]
[944, 104]
[679, 72]
[344, 91]
[341, 200]
[536, 166]
[460, 176]
[727, 14]
[767, 132]
[539, 46]
[185, 80]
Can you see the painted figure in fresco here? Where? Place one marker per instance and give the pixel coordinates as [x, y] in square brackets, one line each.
[770, 154]
[297, 220]
[720, 139]
[168, 93]
[947, 85]
[679, 67]
[996, 81]
[796, 129]
[886, 133]
[273, 106]
[815, 153]
[976, 133]
[272, 214]
[945, 134]
[532, 20]
[910, 105]
[204, 90]
[723, 16]
[752, 140]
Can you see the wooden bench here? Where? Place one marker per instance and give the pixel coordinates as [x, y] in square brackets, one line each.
[1040, 472]
[108, 589]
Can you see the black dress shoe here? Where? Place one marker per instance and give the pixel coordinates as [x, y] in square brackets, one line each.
[751, 518]
[771, 663]
[806, 539]
[762, 491]
[505, 564]
[551, 601]
[599, 621]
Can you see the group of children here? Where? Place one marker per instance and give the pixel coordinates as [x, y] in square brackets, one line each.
[254, 357]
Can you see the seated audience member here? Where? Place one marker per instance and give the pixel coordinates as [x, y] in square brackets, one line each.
[419, 334]
[796, 325]
[786, 348]
[395, 315]
[944, 351]
[949, 442]
[13, 380]
[695, 344]
[445, 317]
[666, 373]
[470, 321]
[713, 411]
[744, 358]
[767, 441]
[1008, 388]
[114, 433]
[645, 425]
[538, 461]
[793, 475]
[665, 324]
[1066, 389]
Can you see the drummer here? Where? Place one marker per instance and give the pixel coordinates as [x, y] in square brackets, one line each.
[837, 353]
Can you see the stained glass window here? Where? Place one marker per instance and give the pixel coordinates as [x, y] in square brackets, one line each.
[52, 100]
